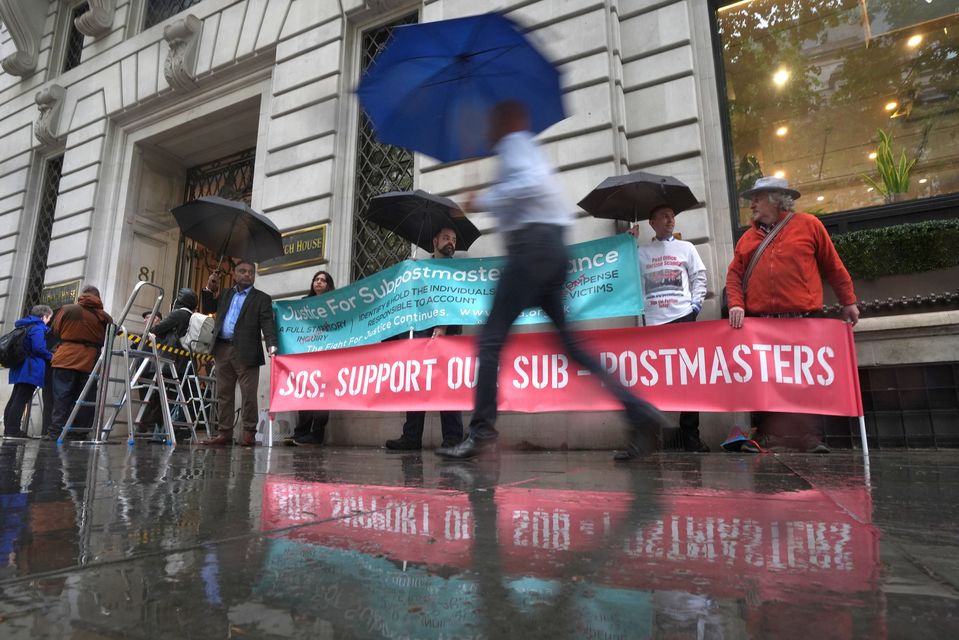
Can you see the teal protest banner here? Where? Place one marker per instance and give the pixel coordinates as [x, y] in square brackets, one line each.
[602, 281]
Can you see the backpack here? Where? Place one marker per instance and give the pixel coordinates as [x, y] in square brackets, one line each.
[13, 350]
[199, 336]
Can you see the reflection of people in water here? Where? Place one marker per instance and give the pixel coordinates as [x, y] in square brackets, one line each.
[558, 613]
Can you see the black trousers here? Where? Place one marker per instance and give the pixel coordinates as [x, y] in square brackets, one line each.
[67, 387]
[311, 422]
[451, 423]
[16, 405]
[688, 420]
[533, 276]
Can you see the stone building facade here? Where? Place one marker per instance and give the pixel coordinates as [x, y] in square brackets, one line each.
[106, 107]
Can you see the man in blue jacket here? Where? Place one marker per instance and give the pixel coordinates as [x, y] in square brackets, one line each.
[28, 375]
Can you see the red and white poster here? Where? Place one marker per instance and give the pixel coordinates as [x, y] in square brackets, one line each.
[797, 365]
[724, 542]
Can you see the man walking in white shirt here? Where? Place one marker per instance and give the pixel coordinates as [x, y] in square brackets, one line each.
[674, 286]
[527, 203]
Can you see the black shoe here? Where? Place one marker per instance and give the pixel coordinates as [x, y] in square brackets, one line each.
[646, 426]
[468, 449]
[449, 443]
[749, 447]
[818, 447]
[16, 434]
[693, 444]
[403, 444]
[308, 440]
[630, 453]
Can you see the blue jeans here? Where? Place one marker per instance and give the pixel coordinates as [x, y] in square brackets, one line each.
[534, 274]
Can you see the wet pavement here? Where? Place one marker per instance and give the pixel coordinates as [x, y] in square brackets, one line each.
[154, 542]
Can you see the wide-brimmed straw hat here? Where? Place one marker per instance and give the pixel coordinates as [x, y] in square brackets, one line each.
[770, 183]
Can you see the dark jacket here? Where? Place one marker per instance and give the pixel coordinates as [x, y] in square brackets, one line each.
[31, 370]
[169, 330]
[256, 318]
[81, 327]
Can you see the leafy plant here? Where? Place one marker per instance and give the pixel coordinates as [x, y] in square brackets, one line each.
[893, 173]
[900, 249]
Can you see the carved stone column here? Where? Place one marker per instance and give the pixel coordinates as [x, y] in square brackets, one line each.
[24, 21]
[183, 36]
[50, 103]
[98, 20]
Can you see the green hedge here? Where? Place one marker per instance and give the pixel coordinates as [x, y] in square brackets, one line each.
[901, 249]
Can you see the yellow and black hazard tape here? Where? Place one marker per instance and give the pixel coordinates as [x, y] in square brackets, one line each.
[176, 351]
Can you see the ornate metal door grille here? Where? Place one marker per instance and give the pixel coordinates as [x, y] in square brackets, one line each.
[159, 10]
[231, 178]
[74, 46]
[49, 191]
[379, 168]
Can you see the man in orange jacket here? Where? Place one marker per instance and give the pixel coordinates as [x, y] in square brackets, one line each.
[786, 281]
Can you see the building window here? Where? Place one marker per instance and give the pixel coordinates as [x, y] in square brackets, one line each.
[813, 87]
[912, 406]
[379, 168]
[49, 191]
[73, 50]
[159, 10]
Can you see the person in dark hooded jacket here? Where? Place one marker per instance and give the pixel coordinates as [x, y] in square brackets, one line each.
[28, 375]
[82, 328]
[168, 332]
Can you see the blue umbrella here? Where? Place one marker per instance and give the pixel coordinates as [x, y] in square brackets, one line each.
[431, 88]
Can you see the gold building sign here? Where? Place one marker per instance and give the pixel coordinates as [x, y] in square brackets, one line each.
[301, 247]
[59, 294]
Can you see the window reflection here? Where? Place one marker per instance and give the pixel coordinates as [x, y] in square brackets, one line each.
[811, 83]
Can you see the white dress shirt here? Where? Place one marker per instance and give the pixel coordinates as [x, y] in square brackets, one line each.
[526, 189]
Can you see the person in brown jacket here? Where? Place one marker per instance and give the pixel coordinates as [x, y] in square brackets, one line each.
[81, 328]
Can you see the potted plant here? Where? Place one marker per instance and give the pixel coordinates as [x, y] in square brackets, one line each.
[893, 174]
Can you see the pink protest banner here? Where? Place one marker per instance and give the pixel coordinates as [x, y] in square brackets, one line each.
[774, 545]
[798, 365]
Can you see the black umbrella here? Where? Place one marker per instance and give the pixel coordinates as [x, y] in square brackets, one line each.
[635, 195]
[230, 228]
[417, 216]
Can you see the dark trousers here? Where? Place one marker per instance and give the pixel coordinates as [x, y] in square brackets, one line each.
[47, 394]
[688, 420]
[533, 276]
[16, 405]
[450, 421]
[314, 422]
[229, 372]
[67, 387]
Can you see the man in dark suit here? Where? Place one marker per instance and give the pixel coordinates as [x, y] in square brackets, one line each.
[244, 314]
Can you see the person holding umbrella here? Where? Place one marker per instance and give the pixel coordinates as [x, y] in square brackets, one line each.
[310, 428]
[674, 286]
[444, 246]
[245, 313]
[527, 203]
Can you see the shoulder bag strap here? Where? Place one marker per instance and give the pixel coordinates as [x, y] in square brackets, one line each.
[762, 247]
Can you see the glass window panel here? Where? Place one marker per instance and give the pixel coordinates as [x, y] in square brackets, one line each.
[49, 191]
[810, 83]
[73, 49]
[380, 168]
[159, 10]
